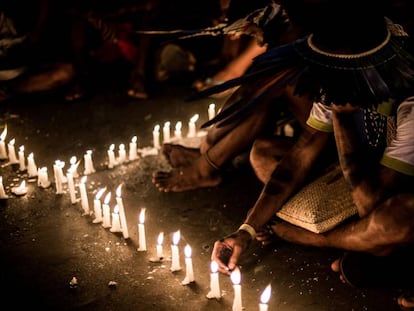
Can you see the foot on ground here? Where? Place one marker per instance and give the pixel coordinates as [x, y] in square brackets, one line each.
[180, 156]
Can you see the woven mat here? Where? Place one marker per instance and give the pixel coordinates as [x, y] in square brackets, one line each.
[320, 205]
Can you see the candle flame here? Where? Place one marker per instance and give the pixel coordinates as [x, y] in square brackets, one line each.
[264, 298]
[121, 147]
[112, 147]
[176, 237]
[118, 191]
[178, 126]
[214, 267]
[160, 238]
[89, 152]
[167, 124]
[22, 185]
[100, 193]
[187, 251]
[12, 142]
[43, 169]
[157, 128]
[235, 276]
[83, 179]
[142, 216]
[30, 156]
[212, 106]
[21, 148]
[4, 133]
[72, 160]
[107, 198]
[194, 118]
[134, 139]
[116, 209]
[1, 179]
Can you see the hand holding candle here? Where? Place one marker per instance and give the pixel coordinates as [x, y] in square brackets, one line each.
[265, 297]
[189, 272]
[175, 260]
[141, 231]
[235, 277]
[215, 291]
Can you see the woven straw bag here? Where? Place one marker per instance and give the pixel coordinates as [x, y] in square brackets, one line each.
[322, 204]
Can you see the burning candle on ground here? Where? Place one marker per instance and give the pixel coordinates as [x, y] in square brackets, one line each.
[116, 223]
[58, 175]
[89, 168]
[133, 155]
[97, 208]
[12, 152]
[21, 189]
[122, 216]
[141, 231]
[106, 221]
[175, 254]
[211, 111]
[177, 131]
[192, 131]
[22, 160]
[43, 178]
[121, 154]
[156, 136]
[31, 166]
[71, 187]
[160, 240]
[189, 272]
[3, 194]
[3, 152]
[84, 196]
[166, 132]
[235, 277]
[265, 297]
[111, 156]
[215, 291]
[74, 166]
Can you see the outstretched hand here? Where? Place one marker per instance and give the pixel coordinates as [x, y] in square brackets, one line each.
[226, 252]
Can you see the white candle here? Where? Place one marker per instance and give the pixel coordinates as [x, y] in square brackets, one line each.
[21, 189]
[43, 178]
[177, 131]
[12, 152]
[121, 154]
[97, 208]
[192, 132]
[133, 149]
[265, 297]
[175, 260]
[106, 222]
[122, 216]
[215, 291]
[235, 277]
[89, 168]
[74, 166]
[166, 132]
[71, 187]
[31, 166]
[57, 168]
[3, 194]
[156, 136]
[3, 152]
[111, 156]
[160, 240]
[116, 223]
[84, 196]
[211, 111]
[22, 160]
[189, 272]
[141, 231]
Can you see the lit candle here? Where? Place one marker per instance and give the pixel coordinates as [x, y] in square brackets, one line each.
[189, 272]
[111, 156]
[3, 194]
[141, 231]
[89, 168]
[211, 111]
[156, 136]
[57, 168]
[175, 260]
[3, 152]
[192, 126]
[74, 166]
[166, 132]
[133, 149]
[116, 224]
[106, 222]
[177, 131]
[31, 166]
[160, 240]
[235, 277]
[97, 208]
[22, 160]
[84, 196]
[265, 297]
[43, 178]
[215, 291]
[121, 154]
[71, 187]
[12, 152]
[21, 189]
[122, 216]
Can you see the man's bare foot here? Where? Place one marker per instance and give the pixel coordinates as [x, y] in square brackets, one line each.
[336, 267]
[186, 178]
[180, 156]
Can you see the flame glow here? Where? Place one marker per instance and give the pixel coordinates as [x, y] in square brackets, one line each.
[142, 216]
[100, 193]
[116, 209]
[4, 133]
[187, 251]
[235, 276]
[118, 191]
[213, 267]
[176, 237]
[107, 198]
[194, 118]
[265, 297]
[160, 238]
[134, 139]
